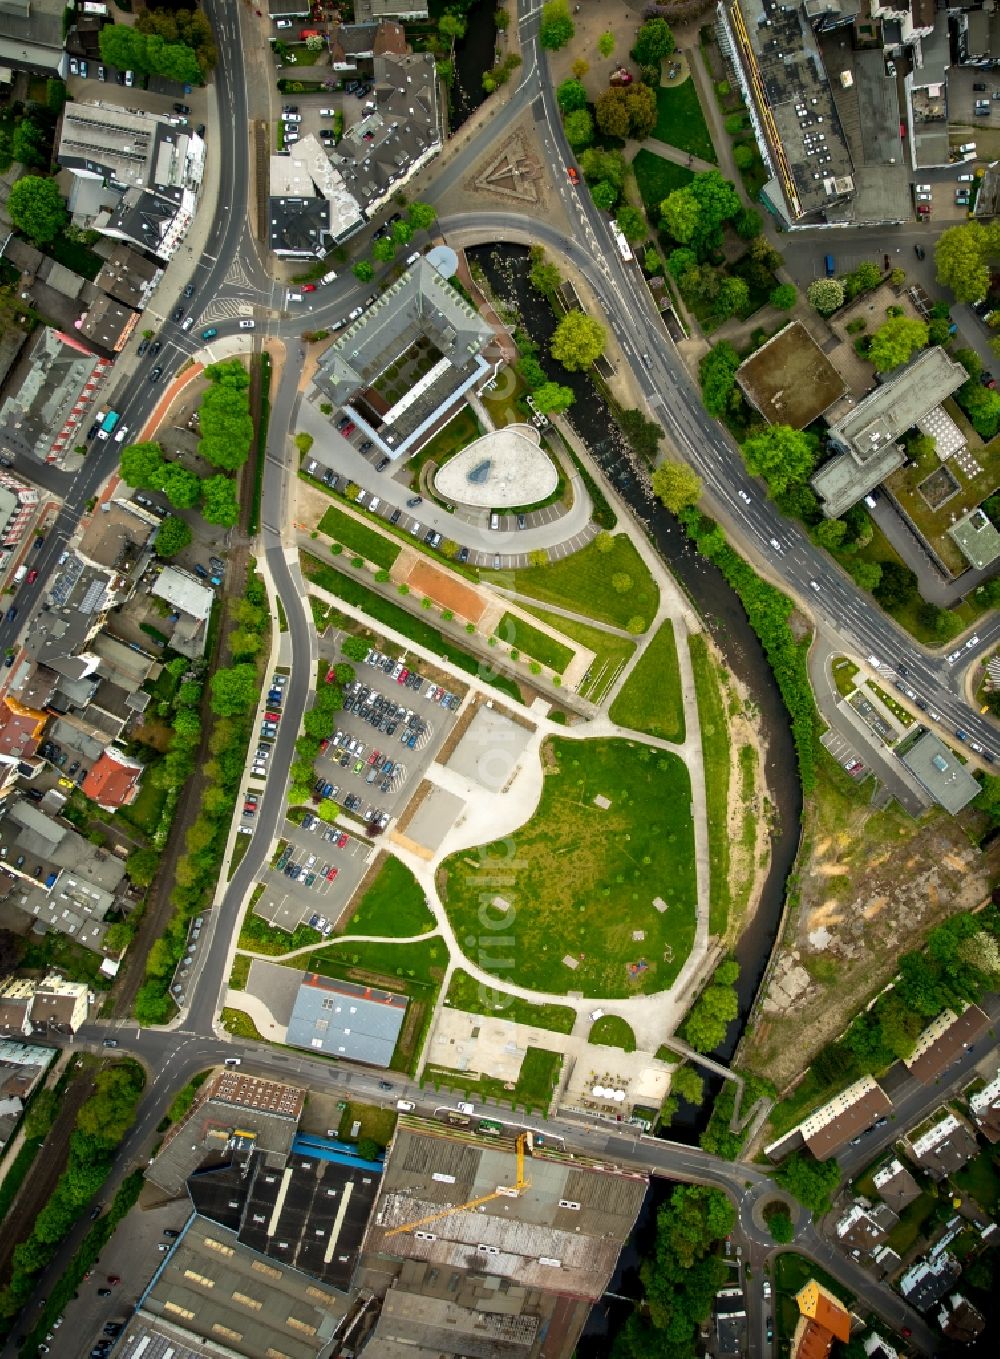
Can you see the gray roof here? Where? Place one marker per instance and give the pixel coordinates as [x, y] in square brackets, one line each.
[147, 218]
[413, 1324]
[939, 770]
[344, 1020]
[978, 538]
[867, 436]
[31, 32]
[51, 378]
[563, 1232]
[108, 323]
[299, 225]
[367, 10]
[79, 598]
[128, 276]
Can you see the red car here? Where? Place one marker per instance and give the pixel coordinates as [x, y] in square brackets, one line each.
[324, 746]
[332, 874]
[32, 576]
[403, 675]
[272, 717]
[374, 758]
[342, 842]
[349, 428]
[309, 287]
[331, 675]
[902, 131]
[574, 174]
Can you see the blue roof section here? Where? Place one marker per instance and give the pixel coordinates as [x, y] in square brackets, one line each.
[329, 1149]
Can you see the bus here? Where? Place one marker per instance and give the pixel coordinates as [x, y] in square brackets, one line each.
[108, 424]
[624, 249]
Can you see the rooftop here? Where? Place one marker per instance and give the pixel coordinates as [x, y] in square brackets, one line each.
[184, 591]
[978, 539]
[843, 1117]
[896, 1185]
[113, 782]
[927, 1281]
[789, 379]
[114, 538]
[52, 395]
[20, 730]
[128, 276]
[360, 1023]
[946, 1146]
[108, 323]
[944, 776]
[563, 1232]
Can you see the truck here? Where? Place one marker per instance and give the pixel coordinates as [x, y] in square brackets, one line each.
[108, 424]
[624, 249]
[20, 574]
[831, 266]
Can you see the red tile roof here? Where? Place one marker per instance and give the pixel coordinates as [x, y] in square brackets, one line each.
[113, 781]
[20, 729]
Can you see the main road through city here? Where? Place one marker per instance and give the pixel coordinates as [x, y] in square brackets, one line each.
[172, 1055]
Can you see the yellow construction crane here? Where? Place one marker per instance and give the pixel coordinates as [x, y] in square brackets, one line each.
[501, 1192]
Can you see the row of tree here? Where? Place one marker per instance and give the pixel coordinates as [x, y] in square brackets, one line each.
[150, 53]
[418, 217]
[101, 1125]
[233, 694]
[717, 1005]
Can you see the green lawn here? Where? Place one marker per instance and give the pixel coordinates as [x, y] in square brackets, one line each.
[980, 1179]
[458, 432]
[611, 653]
[394, 616]
[715, 756]
[240, 973]
[844, 672]
[393, 905]
[357, 537]
[611, 1031]
[534, 643]
[680, 121]
[583, 583]
[651, 699]
[257, 936]
[240, 1025]
[466, 993]
[144, 813]
[377, 1123]
[911, 1223]
[657, 178]
[587, 877]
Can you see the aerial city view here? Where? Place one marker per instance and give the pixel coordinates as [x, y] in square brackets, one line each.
[499, 679]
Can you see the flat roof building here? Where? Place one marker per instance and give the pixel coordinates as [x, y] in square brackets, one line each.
[424, 325]
[934, 765]
[867, 436]
[977, 538]
[341, 1019]
[31, 35]
[406, 11]
[780, 69]
[789, 379]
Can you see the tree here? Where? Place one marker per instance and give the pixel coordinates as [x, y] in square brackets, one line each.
[578, 340]
[452, 25]
[553, 399]
[606, 44]
[219, 503]
[653, 42]
[149, 54]
[781, 455]
[543, 275]
[233, 690]
[748, 224]
[570, 96]
[686, 1083]
[556, 28]
[141, 866]
[644, 435]
[717, 376]
[368, 1149]
[421, 216]
[897, 586]
[580, 67]
[401, 233]
[680, 214]
[142, 466]
[611, 112]
[743, 156]
[732, 297]
[961, 257]
[598, 164]
[28, 143]
[363, 271]
[810, 1181]
[830, 533]
[354, 648]
[226, 424]
[695, 215]
[579, 129]
[865, 277]
[172, 536]
[780, 1226]
[631, 223]
[783, 296]
[894, 342]
[36, 207]
[677, 485]
[181, 487]
[826, 295]
[605, 195]
[384, 249]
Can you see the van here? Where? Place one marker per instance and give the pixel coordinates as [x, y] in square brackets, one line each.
[494, 519]
[328, 278]
[233, 1061]
[831, 266]
[966, 148]
[246, 325]
[405, 1105]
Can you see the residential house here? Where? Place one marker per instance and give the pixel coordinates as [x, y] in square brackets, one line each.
[59, 1005]
[129, 277]
[107, 324]
[867, 439]
[16, 994]
[22, 1068]
[835, 1123]
[18, 516]
[877, 1347]
[896, 1186]
[31, 36]
[729, 1312]
[863, 1227]
[984, 1106]
[959, 1320]
[406, 11]
[59, 634]
[113, 781]
[51, 398]
[823, 1318]
[421, 309]
[928, 1279]
[943, 1041]
[20, 731]
[943, 1145]
[192, 601]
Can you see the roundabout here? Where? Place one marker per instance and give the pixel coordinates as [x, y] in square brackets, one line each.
[504, 467]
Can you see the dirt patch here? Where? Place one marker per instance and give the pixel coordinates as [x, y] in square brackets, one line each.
[413, 805]
[446, 590]
[871, 885]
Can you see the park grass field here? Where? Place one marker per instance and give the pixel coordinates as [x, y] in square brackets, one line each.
[583, 582]
[651, 699]
[393, 905]
[588, 876]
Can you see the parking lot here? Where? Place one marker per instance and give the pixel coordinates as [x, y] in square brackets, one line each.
[393, 722]
[845, 754]
[260, 753]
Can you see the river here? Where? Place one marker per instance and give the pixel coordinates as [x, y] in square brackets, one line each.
[474, 55]
[506, 268]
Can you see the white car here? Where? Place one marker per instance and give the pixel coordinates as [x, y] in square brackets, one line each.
[412, 259]
[923, 188]
[973, 641]
[294, 297]
[744, 497]
[246, 325]
[967, 148]
[291, 117]
[955, 655]
[775, 544]
[130, 78]
[282, 23]
[874, 662]
[966, 179]
[374, 503]
[328, 113]
[188, 323]
[814, 585]
[120, 438]
[353, 315]
[466, 1108]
